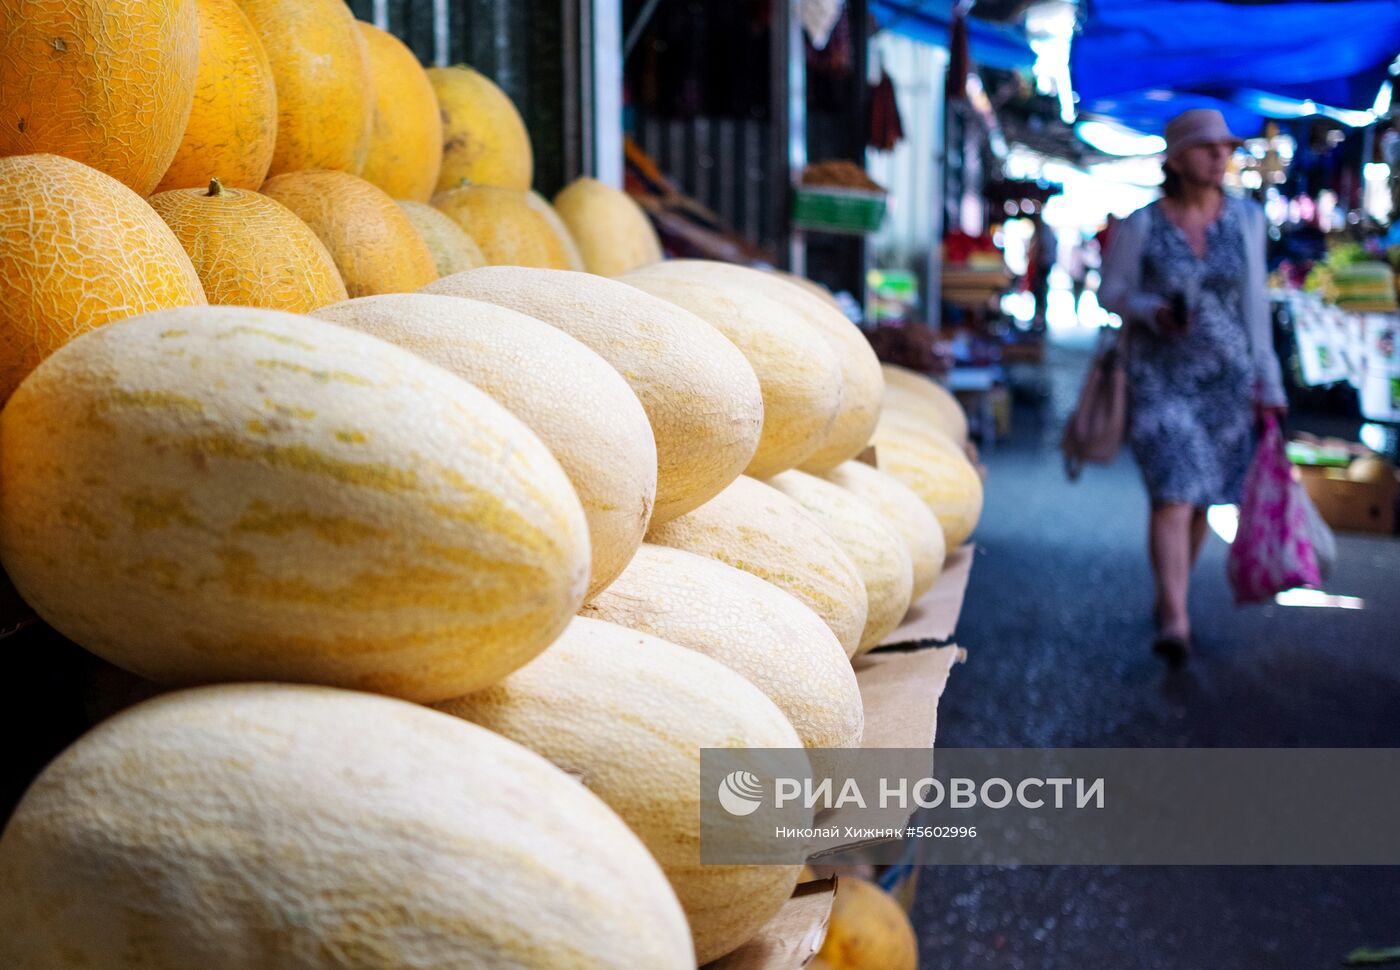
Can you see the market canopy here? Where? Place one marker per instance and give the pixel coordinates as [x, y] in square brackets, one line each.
[1142, 61]
[930, 21]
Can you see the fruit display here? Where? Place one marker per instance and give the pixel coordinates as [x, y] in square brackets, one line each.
[409, 534]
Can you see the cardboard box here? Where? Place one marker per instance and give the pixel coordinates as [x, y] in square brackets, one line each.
[935, 615]
[790, 939]
[1347, 505]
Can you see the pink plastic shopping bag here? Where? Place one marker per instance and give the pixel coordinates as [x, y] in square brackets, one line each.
[1273, 548]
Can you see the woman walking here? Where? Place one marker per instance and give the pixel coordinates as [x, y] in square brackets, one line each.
[1186, 274]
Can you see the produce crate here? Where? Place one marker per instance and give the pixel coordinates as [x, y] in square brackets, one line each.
[845, 211]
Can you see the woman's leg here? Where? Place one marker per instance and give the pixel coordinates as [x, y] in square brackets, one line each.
[1198, 533]
[1169, 544]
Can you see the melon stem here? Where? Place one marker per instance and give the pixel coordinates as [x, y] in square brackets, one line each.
[216, 188]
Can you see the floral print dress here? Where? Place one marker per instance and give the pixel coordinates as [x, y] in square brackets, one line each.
[1191, 418]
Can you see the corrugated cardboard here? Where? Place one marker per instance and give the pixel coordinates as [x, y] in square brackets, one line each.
[1348, 505]
[790, 939]
[900, 691]
[935, 615]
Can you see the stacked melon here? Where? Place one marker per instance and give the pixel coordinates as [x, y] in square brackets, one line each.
[410, 458]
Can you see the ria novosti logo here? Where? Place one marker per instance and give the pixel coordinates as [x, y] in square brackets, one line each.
[741, 793]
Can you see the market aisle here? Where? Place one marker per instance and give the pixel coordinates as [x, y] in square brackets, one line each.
[1057, 625]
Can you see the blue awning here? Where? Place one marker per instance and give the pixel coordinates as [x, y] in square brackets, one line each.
[928, 21]
[1143, 61]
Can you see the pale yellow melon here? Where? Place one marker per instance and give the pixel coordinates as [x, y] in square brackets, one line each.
[904, 511]
[277, 825]
[880, 554]
[756, 528]
[862, 386]
[918, 396]
[700, 394]
[573, 258]
[453, 250]
[811, 286]
[868, 930]
[484, 138]
[510, 229]
[797, 370]
[629, 713]
[933, 465]
[751, 626]
[579, 406]
[613, 234]
[244, 494]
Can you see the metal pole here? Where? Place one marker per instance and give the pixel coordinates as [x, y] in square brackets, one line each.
[606, 158]
[788, 66]
[933, 299]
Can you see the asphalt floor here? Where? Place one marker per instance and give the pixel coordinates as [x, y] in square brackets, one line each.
[1057, 627]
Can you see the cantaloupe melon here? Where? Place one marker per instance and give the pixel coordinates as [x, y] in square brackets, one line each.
[233, 125]
[930, 463]
[250, 250]
[862, 386]
[508, 227]
[484, 137]
[614, 235]
[77, 249]
[374, 245]
[811, 286]
[904, 511]
[628, 713]
[751, 626]
[109, 83]
[277, 825]
[573, 257]
[756, 528]
[799, 374]
[879, 553]
[700, 394]
[918, 396]
[453, 250]
[242, 494]
[325, 91]
[868, 930]
[580, 407]
[405, 142]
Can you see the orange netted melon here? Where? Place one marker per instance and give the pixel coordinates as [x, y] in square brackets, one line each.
[508, 227]
[109, 83]
[566, 238]
[373, 243]
[868, 930]
[484, 141]
[233, 127]
[614, 235]
[405, 144]
[243, 494]
[279, 826]
[77, 250]
[325, 92]
[250, 250]
[453, 250]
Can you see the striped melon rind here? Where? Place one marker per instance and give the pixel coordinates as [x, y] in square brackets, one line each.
[862, 385]
[225, 493]
[799, 374]
[579, 406]
[700, 394]
[275, 825]
[933, 465]
[904, 511]
[756, 528]
[629, 714]
[917, 396]
[880, 555]
[751, 626]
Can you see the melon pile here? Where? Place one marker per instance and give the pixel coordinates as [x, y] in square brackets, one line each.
[445, 528]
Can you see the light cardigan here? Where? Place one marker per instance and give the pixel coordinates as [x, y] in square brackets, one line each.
[1120, 290]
